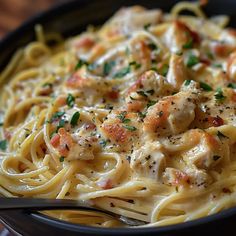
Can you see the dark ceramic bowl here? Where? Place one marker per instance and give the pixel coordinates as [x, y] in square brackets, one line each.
[70, 19]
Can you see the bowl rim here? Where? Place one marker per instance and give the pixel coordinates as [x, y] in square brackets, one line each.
[224, 214]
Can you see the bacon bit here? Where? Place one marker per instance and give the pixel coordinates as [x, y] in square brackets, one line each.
[7, 135]
[116, 132]
[90, 126]
[97, 50]
[135, 106]
[55, 140]
[180, 178]
[230, 62]
[22, 167]
[205, 61]
[215, 121]
[105, 184]
[145, 51]
[60, 101]
[114, 94]
[75, 81]
[193, 35]
[85, 42]
[222, 50]
[45, 91]
[62, 141]
[233, 97]
[226, 190]
[232, 32]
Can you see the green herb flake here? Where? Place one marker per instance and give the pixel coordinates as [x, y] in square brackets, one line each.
[122, 118]
[75, 118]
[192, 61]
[108, 67]
[188, 44]
[142, 115]
[121, 73]
[187, 82]
[62, 159]
[56, 116]
[219, 95]
[151, 103]
[210, 55]
[80, 64]
[164, 70]
[3, 145]
[47, 85]
[130, 128]
[60, 125]
[135, 64]
[70, 100]
[147, 26]
[232, 85]
[217, 65]
[205, 86]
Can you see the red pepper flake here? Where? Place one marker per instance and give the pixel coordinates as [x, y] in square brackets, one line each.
[215, 121]
[114, 94]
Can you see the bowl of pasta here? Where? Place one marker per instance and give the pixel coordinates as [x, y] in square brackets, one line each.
[128, 106]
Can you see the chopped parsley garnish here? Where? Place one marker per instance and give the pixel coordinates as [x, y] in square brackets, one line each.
[192, 61]
[188, 44]
[142, 115]
[215, 157]
[151, 103]
[56, 116]
[147, 26]
[3, 145]
[122, 118]
[60, 125]
[142, 93]
[1, 123]
[135, 64]
[221, 135]
[80, 64]
[187, 82]
[232, 85]
[152, 46]
[205, 86]
[108, 67]
[130, 128]
[164, 70]
[217, 65]
[210, 55]
[47, 85]
[103, 143]
[75, 118]
[121, 73]
[62, 159]
[219, 95]
[70, 100]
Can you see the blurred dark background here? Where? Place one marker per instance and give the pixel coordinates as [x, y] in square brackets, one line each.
[14, 12]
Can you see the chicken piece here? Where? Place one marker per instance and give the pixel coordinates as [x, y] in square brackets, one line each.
[121, 127]
[148, 87]
[177, 71]
[207, 151]
[130, 19]
[171, 115]
[149, 161]
[179, 35]
[176, 177]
